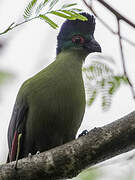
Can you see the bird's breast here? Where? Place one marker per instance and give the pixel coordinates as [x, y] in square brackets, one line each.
[58, 103]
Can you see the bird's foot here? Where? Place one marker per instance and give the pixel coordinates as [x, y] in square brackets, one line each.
[38, 152]
[83, 133]
[30, 156]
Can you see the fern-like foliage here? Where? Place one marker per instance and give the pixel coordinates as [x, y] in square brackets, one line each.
[29, 9]
[49, 21]
[68, 14]
[67, 11]
[101, 79]
[65, 6]
[53, 3]
[41, 6]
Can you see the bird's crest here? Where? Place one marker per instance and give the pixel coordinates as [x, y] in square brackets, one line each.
[76, 26]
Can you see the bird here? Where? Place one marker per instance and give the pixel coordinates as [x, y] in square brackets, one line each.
[50, 106]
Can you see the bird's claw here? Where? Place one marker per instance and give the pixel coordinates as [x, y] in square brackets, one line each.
[38, 152]
[83, 133]
[29, 155]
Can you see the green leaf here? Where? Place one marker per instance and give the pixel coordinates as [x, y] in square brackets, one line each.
[102, 79]
[79, 16]
[106, 101]
[41, 6]
[76, 9]
[116, 82]
[92, 98]
[45, 1]
[49, 21]
[106, 97]
[74, 15]
[53, 3]
[68, 5]
[113, 87]
[57, 13]
[102, 83]
[28, 10]
[124, 79]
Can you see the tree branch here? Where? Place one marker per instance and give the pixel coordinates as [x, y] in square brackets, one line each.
[116, 13]
[68, 160]
[118, 33]
[123, 59]
[13, 25]
[106, 25]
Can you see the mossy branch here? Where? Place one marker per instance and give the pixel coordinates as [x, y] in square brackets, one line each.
[68, 160]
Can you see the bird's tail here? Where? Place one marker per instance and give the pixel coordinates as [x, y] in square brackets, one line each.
[8, 160]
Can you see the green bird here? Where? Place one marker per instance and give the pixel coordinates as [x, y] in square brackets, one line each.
[50, 106]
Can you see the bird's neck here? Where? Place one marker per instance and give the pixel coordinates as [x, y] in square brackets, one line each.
[76, 56]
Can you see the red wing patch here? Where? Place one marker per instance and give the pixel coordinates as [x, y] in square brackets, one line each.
[14, 147]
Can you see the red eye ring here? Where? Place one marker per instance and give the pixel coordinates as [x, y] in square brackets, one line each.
[78, 39]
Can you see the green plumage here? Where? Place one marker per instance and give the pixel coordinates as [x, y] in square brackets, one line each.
[50, 106]
[56, 101]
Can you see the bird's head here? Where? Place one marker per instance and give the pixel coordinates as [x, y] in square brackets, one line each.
[79, 35]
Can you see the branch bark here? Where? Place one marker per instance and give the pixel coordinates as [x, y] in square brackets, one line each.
[68, 160]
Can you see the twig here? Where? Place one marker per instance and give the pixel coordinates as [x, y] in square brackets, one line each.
[123, 59]
[8, 29]
[116, 13]
[106, 25]
[118, 17]
[13, 25]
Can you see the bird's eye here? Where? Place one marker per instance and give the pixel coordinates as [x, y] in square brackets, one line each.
[78, 39]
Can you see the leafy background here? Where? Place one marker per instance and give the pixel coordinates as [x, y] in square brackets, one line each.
[30, 47]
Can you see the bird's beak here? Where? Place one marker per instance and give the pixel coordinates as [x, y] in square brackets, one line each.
[92, 46]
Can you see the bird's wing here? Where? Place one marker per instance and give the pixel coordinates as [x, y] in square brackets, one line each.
[16, 128]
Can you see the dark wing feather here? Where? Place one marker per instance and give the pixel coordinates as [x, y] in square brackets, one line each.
[16, 126]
